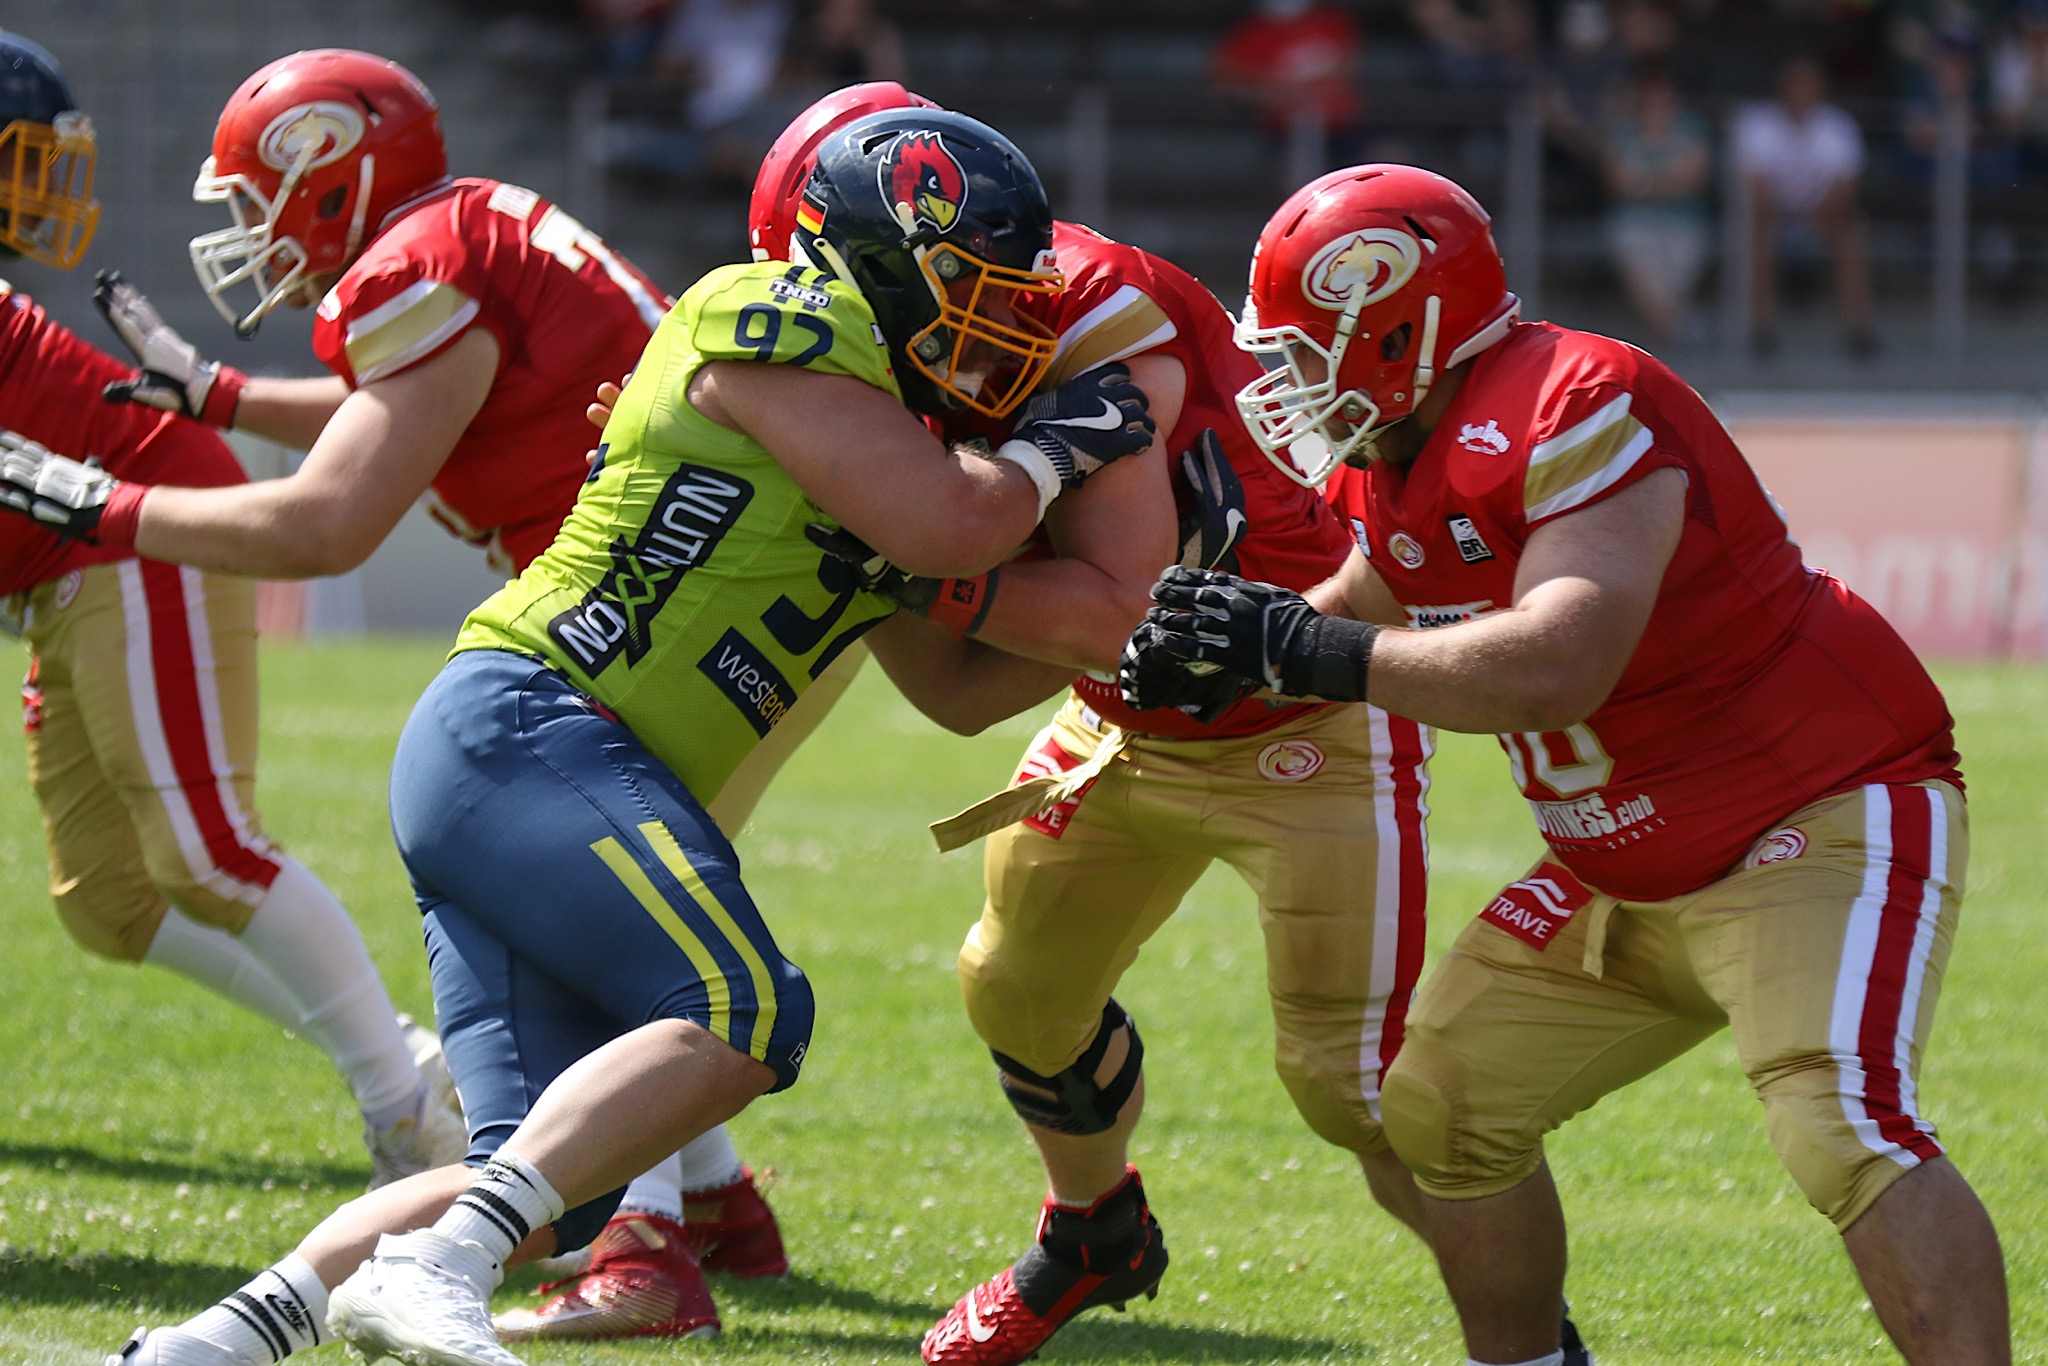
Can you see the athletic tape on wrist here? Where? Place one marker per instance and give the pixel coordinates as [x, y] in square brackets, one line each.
[224, 397]
[1026, 456]
[962, 604]
[1330, 657]
[121, 517]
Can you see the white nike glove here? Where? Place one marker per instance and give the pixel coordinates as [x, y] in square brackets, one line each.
[1091, 421]
[174, 376]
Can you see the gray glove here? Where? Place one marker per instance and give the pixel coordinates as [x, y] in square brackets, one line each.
[173, 375]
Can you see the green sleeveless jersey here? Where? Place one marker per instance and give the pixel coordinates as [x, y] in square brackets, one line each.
[682, 592]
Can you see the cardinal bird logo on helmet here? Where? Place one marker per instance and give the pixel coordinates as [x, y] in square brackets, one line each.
[923, 183]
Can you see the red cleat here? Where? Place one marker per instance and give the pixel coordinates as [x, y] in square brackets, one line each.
[643, 1282]
[1104, 1253]
[731, 1229]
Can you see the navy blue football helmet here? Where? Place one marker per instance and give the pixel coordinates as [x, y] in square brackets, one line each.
[944, 228]
[47, 155]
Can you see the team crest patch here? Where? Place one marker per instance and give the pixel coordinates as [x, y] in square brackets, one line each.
[67, 589]
[1405, 549]
[1365, 266]
[1780, 846]
[922, 182]
[1536, 908]
[1291, 761]
[1486, 438]
[1472, 547]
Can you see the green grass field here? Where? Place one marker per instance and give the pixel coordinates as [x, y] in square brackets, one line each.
[157, 1147]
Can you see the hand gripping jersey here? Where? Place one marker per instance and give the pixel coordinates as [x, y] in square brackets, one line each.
[1119, 302]
[568, 314]
[50, 385]
[1759, 685]
[682, 593]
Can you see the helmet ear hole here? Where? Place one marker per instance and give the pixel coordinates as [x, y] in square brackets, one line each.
[331, 203]
[1394, 345]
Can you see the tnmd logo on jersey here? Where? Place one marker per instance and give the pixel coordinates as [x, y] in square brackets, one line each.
[1472, 547]
[322, 132]
[795, 291]
[1360, 268]
[1779, 846]
[1536, 908]
[1291, 761]
[1487, 440]
[1405, 549]
[691, 515]
[922, 182]
[1448, 613]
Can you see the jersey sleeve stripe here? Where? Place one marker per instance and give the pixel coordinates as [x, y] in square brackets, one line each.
[398, 332]
[1601, 471]
[1566, 441]
[1122, 325]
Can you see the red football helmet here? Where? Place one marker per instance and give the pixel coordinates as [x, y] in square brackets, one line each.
[310, 156]
[771, 212]
[1394, 256]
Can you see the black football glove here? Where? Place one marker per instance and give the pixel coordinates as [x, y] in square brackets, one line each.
[1153, 674]
[173, 375]
[874, 573]
[1260, 632]
[1209, 533]
[1090, 421]
[60, 494]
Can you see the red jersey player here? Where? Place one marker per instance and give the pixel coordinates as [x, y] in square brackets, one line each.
[1747, 782]
[465, 321]
[1077, 879]
[140, 702]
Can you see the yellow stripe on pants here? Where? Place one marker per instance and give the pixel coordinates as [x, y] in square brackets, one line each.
[623, 867]
[677, 862]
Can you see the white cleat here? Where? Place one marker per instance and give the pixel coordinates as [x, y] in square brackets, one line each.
[171, 1347]
[431, 1138]
[424, 1299]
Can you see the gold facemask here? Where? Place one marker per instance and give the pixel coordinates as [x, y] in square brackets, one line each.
[47, 212]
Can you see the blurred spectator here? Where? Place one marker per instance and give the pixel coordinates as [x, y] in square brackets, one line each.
[2019, 87]
[628, 31]
[1802, 159]
[731, 49]
[1949, 86]
[844, 42]
[1296, 62]
[1656, 164]
[1489, 44]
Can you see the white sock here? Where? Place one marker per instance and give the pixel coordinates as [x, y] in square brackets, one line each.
[282, 1311]
[709, 1161]
[308, 943]
[508, 1200]
[218, 961]
[658, 1190]
[1553, 1359]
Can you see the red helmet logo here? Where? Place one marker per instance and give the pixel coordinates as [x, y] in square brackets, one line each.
[923, 182]
[329, 128]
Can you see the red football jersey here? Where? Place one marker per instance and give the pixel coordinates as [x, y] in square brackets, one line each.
[50, 384]
[1760, 685]
[567, 313]
[1120, 302]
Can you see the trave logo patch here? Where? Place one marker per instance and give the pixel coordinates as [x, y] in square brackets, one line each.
[691, 515]
[1536, 908]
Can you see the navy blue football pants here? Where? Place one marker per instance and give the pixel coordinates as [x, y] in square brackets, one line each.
[572, 890]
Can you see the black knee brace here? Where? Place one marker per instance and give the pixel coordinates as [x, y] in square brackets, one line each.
[1070, 1101]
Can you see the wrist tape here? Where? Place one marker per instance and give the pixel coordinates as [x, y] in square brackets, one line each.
[1026, 456]
[1328, 657]
[962, 604]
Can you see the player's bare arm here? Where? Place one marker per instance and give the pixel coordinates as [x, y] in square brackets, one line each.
[291, 412]
[371, 462]
[1357, 591]
[959, 684]
[1583, 593]
[1110, 539]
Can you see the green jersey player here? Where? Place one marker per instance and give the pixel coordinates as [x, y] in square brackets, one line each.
[605, 985]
